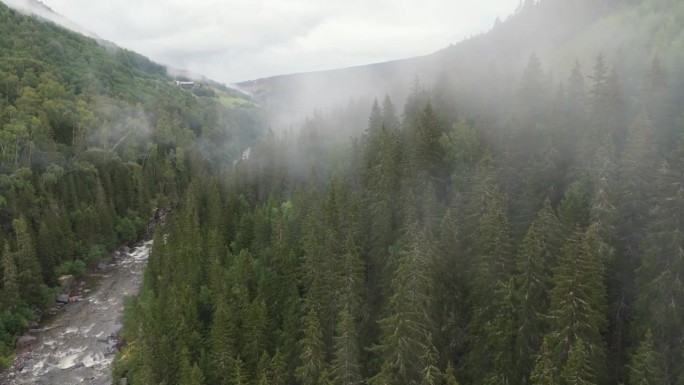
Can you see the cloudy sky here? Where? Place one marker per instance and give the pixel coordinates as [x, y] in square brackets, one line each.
[234, 40]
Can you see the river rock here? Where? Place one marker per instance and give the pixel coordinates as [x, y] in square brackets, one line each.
[63, 298]
[66, 281]
[25, 341]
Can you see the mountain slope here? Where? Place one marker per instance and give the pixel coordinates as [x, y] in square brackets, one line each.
[93, 140]
[627, 33]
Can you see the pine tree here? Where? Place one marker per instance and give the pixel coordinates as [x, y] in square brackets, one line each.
[239, 373]
[532, 89]
[660, 288]
[536, 255]
[451, 276]
[254, 331]
[407, 330]
[312, 350]
[491, 325]
[222, 344]
[10, 282]
[345, 368]
[29, 273]
[449, 377]
[544, 372]
[578, 304]
[578, 370]
[277, 370]
[645, 364]
[190, 374]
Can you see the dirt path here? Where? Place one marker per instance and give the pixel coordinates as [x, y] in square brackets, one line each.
[77, 345]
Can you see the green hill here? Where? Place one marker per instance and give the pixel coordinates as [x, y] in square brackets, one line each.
[93, 139]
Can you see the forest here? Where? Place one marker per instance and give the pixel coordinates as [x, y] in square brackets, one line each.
[499, 225]
[437, 246]
[93, 140]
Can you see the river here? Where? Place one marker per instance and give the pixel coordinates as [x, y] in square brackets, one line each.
[76, 345]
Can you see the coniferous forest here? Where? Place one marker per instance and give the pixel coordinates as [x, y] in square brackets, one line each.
[93, 141]
[434, 247]
[531, 234]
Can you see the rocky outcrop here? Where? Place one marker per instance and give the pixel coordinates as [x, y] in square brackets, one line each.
[63, 298]
[25, 341]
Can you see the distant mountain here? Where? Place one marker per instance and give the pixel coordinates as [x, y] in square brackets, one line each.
[37, 8]
[627, 33]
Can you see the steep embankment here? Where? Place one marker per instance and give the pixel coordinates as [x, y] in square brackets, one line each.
[93, 139]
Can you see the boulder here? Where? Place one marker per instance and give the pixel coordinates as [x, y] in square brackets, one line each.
[102, 267]
[25, 341]
[63, 298]
[66, 281]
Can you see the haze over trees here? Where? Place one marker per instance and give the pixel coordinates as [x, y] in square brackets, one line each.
[481, 234]
[517, 222]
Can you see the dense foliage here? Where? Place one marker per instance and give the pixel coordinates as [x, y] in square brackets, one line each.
[93, 139]
[436, 248]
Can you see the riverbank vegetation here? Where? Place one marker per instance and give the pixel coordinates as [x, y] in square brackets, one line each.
[93, 138]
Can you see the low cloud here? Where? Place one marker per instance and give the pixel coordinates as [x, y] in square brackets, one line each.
[245, 39]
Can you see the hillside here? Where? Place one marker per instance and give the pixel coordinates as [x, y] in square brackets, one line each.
[627, 33]
[518, 221]
[93, 140]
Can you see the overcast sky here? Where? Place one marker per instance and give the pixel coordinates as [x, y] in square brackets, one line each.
[234, 40]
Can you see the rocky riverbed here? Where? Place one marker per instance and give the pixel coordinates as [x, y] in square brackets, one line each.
[76, 345]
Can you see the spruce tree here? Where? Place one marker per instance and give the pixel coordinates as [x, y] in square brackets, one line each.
[449, 376]
[645, 364]
[222, 338]
[578, 370]
[491, 324]
[407, 330]
[10, 280]
[29, 273]
[345, 368]
[660, 288]
[312, 351]
[536, 255]
[578, 305]
[544, 372]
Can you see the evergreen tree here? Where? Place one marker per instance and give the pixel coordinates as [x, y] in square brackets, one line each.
[536, 255]
[28, 269]
[578, 370]
[222, 344]
[312, 351]
[239, 373]
[544, 372]
[254, 330]
[645, 366]
[407, 330]
[660, 290]
[10, 280]
[491, 326]
[577, 309]
[345, 368]
[277, 369]
[449, 377]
